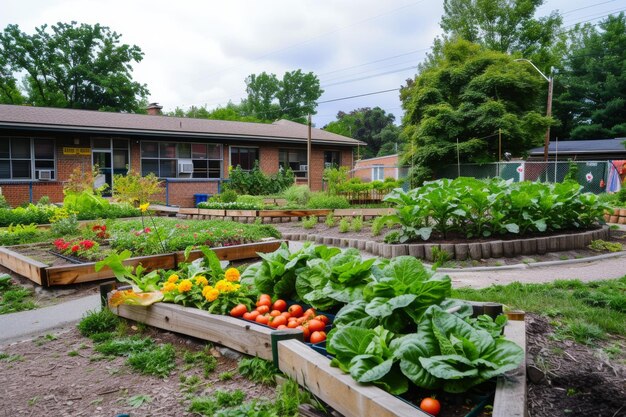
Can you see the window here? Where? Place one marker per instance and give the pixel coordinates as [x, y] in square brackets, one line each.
[378, 173]
[294, 159]
[332, 159]
[244, 157]
[25, 158]
[164, 158]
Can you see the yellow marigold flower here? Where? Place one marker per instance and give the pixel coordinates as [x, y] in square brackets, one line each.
[144, 207]
[173, 278]
[201, 280]
[210, 293]
[184, 286]
[168, 286]
[232, 275]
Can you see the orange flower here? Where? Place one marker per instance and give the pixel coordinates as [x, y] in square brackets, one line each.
[184, 286]
[232, 275]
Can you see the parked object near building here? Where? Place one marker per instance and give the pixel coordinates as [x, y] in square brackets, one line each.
[41, 146]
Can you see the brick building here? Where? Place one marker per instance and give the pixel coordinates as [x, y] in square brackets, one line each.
[379, 168]
[41, 146]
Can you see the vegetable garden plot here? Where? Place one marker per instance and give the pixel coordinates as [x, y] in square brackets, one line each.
[311, 369]
[43, 274]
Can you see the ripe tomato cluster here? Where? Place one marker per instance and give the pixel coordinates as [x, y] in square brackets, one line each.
[279, 316]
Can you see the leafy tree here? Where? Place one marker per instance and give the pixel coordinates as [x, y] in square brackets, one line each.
[373, 126]
[292, 98]
[591, 101]
[505, 26]
[468, 95]
[70, 65]
[231, 112]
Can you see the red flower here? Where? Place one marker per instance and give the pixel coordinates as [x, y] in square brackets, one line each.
[75, 248]
[87, 244]
[147, 230]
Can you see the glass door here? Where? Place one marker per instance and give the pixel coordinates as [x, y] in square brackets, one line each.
[103, 160]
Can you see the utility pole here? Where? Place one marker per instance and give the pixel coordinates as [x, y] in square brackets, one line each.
[308, 154]
[499, 149]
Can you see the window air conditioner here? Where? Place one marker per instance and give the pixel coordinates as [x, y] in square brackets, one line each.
[45, 175]
[185, 167]
[304, 168]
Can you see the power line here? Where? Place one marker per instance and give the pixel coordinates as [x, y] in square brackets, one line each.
[370, 76]
[358, 95]
[375, 62]
[586, 7]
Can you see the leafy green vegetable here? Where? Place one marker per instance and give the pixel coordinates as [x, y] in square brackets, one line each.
[450, 353]
[133, 276]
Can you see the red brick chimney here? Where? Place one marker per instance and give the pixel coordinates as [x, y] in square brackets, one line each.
[154, 109]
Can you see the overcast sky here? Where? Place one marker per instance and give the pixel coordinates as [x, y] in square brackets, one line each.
[200, 52]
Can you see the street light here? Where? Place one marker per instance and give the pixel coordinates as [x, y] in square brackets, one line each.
[550, 81]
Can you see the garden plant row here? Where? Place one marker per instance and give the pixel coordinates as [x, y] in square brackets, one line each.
[394, 328]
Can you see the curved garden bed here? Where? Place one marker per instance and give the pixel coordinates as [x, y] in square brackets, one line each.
[495, 248]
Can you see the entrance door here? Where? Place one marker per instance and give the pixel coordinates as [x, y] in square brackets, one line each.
[105, 169]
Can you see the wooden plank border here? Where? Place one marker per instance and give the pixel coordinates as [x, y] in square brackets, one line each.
[23, 265]
[510, 399]
[292, 213]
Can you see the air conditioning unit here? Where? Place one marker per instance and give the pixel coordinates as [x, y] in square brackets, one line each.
[45, 175]
[185, 166]
[304, 168]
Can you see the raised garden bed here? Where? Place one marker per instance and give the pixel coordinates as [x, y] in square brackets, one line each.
[279, 216]
[311, 369]
[466, 250]
[32, 266]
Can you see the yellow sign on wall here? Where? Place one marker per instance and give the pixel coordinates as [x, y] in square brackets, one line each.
[76, 151]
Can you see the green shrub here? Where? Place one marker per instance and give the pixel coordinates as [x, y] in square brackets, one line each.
[253, 200]
[297, 195]
[234, 205]
[66, 226]
[228, 196]
[44, 201]
[357, 223]
[135, 189]
[330, 219]
[258, 370]
[3, 203]
[21, 234]
[255, 182]
[334, 178]
[344, 225]
[309, 222]
[325, 201]
[377, 226]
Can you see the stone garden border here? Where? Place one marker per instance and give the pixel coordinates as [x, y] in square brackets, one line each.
[466, 250]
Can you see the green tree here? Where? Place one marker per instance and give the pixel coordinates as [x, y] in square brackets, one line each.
[467, 96]
[70, 65]
[373, 126]
[231, 112]
[293, 97]
[506, 26]
[591, 100]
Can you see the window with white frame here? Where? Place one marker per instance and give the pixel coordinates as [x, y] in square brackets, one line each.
[378, 173]
[27, 158]
[172, 159]
[295, 159]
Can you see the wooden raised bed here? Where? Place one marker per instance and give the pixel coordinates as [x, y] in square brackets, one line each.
[45, 275]
[312, 370]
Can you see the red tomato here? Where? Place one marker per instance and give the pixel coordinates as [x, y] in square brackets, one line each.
[295, 310]
[286, 314]
[263, 319]
[305, 332]
[264, 302]
[281, 327]
[430, 405]
[263, 309]
[275, 313]
[322, 317]
[292, 324]
[316, 325]
[252, 315]
[277, 321]
[318, 337]
[239, 310]
[280, 305]
[310, 313]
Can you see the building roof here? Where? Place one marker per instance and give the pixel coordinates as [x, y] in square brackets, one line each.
[595, 146]
[88, 121]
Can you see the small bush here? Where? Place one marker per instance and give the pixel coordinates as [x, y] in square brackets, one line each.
[330, 219]
[377, 226]
[135, 189]
[309, 222]
[297, 195]
[344, 225]
[392, 237]
[440, 256]
[357, 223]
[324, 201]
[3, 202]
[253, 200]
[67, 226]
[98, 322]
[44, 201]
[228, 196]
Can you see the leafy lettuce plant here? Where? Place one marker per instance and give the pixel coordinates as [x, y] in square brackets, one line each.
[449, 353]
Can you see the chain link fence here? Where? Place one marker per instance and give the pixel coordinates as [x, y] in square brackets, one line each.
[592, 175]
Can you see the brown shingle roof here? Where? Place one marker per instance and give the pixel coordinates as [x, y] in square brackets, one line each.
[70, 120]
